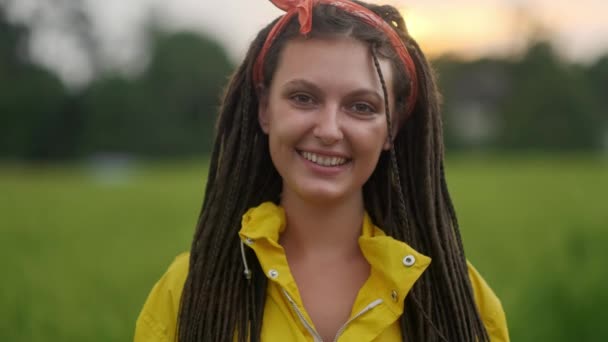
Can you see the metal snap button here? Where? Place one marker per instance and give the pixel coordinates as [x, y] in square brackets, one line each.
[409, 260]
[394, 295]
[273, 273]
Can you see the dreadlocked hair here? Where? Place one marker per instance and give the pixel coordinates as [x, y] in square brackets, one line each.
[406, 195]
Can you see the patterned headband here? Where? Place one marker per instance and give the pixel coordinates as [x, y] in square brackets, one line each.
[304, 10]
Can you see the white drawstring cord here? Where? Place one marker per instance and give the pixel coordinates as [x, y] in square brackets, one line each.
[247, 271]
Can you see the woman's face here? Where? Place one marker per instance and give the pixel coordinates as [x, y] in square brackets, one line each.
[324, 116]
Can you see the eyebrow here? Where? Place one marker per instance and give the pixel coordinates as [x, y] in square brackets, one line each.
[302, 83]
[357, 92]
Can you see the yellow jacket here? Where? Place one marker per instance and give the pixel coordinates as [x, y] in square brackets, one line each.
[395, 267]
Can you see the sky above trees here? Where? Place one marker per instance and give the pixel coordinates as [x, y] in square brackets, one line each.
[471, 28]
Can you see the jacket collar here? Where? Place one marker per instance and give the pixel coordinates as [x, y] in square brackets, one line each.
[395, 266]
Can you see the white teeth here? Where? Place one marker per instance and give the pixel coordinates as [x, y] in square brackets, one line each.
[323, 161]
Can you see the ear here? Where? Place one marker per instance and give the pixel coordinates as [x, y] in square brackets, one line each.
[387, 144]
[263, 115]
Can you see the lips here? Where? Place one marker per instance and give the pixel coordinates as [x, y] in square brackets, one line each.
[323, 160]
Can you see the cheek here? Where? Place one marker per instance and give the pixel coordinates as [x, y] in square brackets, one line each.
[373, 139]
[285, 131]
[287, 123]
[368, 146]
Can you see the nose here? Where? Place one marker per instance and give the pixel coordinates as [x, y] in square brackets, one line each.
[328, 127]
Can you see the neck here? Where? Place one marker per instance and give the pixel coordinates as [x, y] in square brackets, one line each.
[322, 230]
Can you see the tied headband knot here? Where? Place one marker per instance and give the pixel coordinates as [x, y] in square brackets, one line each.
[304, 10]
[302, 7]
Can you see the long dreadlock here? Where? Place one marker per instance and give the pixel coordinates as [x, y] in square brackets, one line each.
[218, 302]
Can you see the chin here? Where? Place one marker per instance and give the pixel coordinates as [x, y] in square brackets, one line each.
[323, 195]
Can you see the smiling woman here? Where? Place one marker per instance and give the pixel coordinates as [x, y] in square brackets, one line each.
[325, 133]
[326, 198]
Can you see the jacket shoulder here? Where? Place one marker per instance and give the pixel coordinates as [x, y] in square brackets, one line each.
[489, 306]
[157, 320]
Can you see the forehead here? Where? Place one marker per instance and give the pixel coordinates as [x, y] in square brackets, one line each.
[339, 63]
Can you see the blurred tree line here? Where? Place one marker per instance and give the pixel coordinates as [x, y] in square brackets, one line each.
[536, 101]
[166, 111]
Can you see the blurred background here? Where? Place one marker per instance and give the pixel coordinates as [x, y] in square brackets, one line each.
[106, 120]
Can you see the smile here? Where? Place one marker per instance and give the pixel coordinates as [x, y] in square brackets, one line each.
[323, 160]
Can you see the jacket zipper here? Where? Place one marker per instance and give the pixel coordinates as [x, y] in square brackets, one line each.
[366, 309]
[312, 331]
[307, 325]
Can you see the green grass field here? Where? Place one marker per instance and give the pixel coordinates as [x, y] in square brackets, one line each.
[80, 249]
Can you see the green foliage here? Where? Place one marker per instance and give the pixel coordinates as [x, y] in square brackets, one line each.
[82, 246]
[169, 110]
[33, 104]
[550, 105]
[538, 102]
[597, 75]
[535, 227]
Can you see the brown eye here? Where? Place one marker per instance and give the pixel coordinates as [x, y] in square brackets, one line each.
[302, 99]
[362, 108]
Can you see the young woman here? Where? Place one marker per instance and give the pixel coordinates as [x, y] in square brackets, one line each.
[326, 198]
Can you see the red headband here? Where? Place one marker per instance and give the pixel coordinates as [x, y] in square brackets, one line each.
[304, 10]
